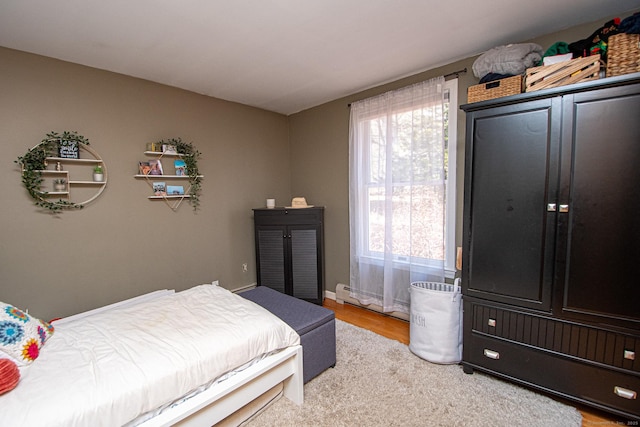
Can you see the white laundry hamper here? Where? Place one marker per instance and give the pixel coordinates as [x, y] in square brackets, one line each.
[435, 326]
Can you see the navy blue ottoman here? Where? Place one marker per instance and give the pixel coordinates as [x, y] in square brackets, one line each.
[316, 326]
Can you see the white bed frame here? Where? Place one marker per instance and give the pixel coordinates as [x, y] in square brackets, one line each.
[226, 397]
[223, 399]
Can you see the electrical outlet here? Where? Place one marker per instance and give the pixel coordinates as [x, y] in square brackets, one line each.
[245, 268]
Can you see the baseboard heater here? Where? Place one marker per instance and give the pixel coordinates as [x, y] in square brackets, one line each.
[342, 296]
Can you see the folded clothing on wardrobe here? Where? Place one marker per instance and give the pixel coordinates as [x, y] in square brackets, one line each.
[630, 24]
[596, 43]
[512, 59]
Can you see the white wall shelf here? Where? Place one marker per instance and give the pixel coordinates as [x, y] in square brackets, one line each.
[161, 177]
[172, 200]
[161, 154]
[94, 161]
[179, 196]
[80, 169]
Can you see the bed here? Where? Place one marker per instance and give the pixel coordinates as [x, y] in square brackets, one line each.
[168, 358]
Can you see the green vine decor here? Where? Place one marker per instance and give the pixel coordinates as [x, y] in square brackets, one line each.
[190, 155]
[35, 161]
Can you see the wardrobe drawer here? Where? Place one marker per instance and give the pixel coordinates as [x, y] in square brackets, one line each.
[557, 374]
[573, 339]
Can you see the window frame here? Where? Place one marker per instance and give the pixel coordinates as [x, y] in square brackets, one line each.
[401, 261]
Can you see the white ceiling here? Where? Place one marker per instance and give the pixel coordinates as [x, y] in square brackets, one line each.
[282, 55]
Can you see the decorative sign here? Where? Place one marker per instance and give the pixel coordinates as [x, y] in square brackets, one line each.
[68, 150]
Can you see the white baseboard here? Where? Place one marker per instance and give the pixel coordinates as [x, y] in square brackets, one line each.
[244, 288]
[343, 290]
[342, 295]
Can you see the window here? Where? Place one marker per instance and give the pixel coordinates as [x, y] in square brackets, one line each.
[402, 181]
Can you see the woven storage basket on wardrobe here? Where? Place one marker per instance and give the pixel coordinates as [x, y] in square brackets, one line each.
[495, 89]
[623, 54]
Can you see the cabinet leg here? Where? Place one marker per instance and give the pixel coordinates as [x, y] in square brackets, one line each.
[467, 369]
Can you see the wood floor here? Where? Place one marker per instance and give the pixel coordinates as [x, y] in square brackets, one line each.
[396, 329]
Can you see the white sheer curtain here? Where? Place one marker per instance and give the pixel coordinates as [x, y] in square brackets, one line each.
[397, 193]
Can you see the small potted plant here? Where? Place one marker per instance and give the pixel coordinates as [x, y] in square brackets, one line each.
[59, 184]
[98, 173]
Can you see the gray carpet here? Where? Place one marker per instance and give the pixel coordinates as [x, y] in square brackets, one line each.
[379, 382]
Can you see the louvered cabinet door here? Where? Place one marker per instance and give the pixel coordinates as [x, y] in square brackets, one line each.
[305, 258]
[271, 249]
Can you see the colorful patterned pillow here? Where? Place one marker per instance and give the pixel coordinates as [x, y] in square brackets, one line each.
[21, 335]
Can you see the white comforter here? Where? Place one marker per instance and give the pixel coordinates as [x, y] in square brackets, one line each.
[108, 368]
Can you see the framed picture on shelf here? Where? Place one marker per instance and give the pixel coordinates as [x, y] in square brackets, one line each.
[69, 150]
[144, 168]
[155, 167]
[169, 149]
[180, 166]
[175, 190]
[159, 189]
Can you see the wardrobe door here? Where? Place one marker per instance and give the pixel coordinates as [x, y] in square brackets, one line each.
[603, 193]
[510, 192]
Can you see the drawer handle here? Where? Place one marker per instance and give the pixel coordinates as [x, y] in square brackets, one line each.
[491, 354]
[625, 392]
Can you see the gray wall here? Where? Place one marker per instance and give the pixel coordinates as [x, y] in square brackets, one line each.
[123, 244]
